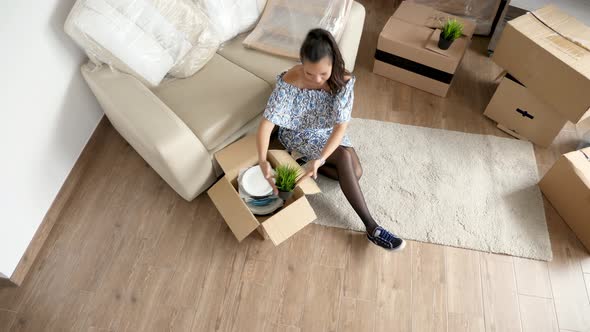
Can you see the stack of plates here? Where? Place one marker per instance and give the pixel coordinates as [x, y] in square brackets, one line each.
[257, 192]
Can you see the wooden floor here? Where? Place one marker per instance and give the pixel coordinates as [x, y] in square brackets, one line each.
[128, 254]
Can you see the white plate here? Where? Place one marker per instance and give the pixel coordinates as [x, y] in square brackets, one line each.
[254, 183]
[265, 210]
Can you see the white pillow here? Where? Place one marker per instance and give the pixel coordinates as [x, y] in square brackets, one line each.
[232, 17]
[146, 38]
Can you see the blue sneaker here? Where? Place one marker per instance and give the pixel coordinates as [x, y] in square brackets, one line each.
[386, 239]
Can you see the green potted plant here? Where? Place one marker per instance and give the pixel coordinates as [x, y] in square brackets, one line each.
[451, 30]
[286, 179]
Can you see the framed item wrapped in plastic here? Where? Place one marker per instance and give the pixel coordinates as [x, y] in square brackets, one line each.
[483, 12]
[285, 23]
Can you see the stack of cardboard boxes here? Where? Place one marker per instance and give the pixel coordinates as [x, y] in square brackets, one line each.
[547, 56]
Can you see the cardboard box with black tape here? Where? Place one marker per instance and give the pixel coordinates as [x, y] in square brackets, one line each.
[407, 49]
[521, 114]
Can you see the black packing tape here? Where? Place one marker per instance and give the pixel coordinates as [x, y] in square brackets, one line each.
[513, 79]
[414, 67]
[525, 114]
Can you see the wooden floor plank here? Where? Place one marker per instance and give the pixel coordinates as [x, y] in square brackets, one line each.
[219, 296]
[429, 288]
[167, 318]
[296, 279]
[362, 269]
[322, 300]
[565, 273]
[332, 247]
[538, 314]
[394, 299]
[281, 328]
[11, 298]
[7, 318]
[459, 322]
[464, 290]
[142, 298]
[166, 249]
[500, 295]
[192, 266]
[532, 277]
[356, 315]
[252, 314]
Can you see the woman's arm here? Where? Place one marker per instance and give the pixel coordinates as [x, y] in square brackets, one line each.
[334, 140]
[262, 140]
[332, 144]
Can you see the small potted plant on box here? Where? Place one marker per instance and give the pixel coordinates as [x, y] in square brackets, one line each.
[286, 179]
[451, 30]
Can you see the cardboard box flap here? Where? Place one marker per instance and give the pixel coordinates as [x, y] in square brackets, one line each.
[580, 163]
[287, 222]
[236, 214]
[240, 154]
[566, 26]
[559, 34]
[307, 185]
[408, 42]
[430, 17]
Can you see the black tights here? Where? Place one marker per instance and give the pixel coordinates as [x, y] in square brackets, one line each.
[344, 166]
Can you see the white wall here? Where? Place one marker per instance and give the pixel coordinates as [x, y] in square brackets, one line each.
[47, 115]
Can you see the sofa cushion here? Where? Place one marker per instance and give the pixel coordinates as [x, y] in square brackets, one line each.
[268, 66]
[216, 101]
[264, 65]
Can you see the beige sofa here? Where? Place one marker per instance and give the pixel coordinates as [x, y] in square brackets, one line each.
[178, 126]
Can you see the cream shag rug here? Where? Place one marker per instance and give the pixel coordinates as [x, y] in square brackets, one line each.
[463, 190]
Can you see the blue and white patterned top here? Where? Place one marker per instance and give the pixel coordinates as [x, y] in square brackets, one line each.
[306, 117]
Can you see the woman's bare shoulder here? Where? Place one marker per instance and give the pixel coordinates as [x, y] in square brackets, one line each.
[292, 75]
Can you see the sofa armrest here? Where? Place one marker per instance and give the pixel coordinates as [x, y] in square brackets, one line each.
[351, 36]
[153, 130]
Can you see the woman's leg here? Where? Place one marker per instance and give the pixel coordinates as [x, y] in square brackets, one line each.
[345, 165]
[331, 172]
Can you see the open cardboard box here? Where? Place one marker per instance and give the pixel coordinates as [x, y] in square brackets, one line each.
[292, 217]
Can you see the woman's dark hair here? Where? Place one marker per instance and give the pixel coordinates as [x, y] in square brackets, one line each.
[318, 44]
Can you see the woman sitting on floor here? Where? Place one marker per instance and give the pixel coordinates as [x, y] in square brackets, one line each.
[312, 105]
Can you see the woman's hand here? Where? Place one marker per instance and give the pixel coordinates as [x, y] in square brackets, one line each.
[267, 172]
[312, 168]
